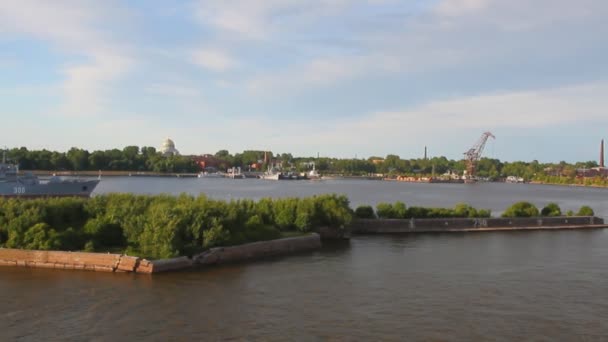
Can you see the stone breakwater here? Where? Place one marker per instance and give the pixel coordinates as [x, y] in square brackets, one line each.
[102, 262]
[389, 226]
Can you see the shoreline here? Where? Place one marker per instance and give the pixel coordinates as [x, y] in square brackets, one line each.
[120, 263]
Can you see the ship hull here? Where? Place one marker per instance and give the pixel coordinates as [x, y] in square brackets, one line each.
[58, 189]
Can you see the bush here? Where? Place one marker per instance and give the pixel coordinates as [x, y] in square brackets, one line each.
[161, 226]
[484, 213]
[521, 209]
[399, 210]
[551, 209]
[585, 211]
[365, 212]
[420, 212]
[104, 233]
[385, 210]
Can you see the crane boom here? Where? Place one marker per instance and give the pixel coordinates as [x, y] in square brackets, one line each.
[472, 156]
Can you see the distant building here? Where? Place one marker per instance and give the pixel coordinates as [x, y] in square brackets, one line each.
[168, 148]
[210, 162]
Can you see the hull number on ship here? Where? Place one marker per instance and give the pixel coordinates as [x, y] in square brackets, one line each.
[19, 190]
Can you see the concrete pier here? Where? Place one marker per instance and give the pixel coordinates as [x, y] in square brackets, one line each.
[392, 226]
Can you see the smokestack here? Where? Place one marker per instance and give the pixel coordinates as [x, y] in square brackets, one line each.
[424, 152]
[602, 154]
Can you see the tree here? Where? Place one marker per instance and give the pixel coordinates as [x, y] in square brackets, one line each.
[79, 159]
[521, 209]
[551, 209]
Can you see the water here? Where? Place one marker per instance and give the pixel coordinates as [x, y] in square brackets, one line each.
[499, 286]
[495, 196]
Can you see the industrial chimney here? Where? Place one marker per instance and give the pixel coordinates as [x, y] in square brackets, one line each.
[602, 154]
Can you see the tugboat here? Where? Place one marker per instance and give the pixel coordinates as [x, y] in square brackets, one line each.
[12, 184]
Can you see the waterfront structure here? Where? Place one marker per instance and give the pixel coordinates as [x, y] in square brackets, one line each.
[168, 148]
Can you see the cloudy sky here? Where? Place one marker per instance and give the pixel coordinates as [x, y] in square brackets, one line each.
[340, 78]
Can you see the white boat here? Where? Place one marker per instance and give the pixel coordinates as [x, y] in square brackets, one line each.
[313, 174]
[271, 174]
[205, 174]
[235, 173]
[513, 179]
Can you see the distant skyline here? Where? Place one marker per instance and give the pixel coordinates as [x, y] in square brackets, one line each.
[341, 78]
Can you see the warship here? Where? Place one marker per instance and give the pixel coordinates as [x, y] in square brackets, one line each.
[13, 184]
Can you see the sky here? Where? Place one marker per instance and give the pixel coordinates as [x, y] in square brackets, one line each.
[338, 78]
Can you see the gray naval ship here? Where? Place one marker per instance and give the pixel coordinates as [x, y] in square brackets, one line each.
[13, 184]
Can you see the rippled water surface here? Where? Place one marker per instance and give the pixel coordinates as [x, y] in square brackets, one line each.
[539, 286]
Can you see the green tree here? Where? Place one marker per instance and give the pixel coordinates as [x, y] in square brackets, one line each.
[521, 209]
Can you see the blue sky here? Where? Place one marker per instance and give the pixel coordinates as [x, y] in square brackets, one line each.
[336, 77]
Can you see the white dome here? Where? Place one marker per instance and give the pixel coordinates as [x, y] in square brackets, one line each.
[168, 147]
[168, 143]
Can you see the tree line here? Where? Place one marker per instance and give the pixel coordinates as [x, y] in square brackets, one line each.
[134, 158]
[130, 158]
[161, 226]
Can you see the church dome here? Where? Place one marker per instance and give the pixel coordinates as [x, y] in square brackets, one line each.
[168, 148]
[168, 143]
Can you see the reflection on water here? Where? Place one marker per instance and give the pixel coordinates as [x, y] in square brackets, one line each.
[477, 286]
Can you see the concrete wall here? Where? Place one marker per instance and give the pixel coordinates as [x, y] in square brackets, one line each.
[375, 226]
[255, 250]
[100, 262]
[105, 262]
[66, 260]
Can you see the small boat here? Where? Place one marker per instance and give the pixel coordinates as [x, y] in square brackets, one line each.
[205, 174]
[271, 174]
[313, 174]
[235, 173]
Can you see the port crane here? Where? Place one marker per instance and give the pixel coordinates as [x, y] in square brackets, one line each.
[471, 157]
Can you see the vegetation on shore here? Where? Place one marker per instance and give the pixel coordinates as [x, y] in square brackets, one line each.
[134, 158]
[161, 226]
[164, 226]
[399, 210]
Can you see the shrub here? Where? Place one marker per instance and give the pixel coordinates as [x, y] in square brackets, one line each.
[399, 210]
[585, 211]
[464, 210]
[385, 210]
[104, 233]
[551, 209]
[365, 212]
[521, 209]
[484, 213]
[419, 212]
[41, 236]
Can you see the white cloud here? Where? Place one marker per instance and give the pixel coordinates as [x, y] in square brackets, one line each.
[454, 34]
[460, 7]
[261, 19]
[173, 90]
[526, 109]
[214, 60]
[72, 26]
[388, 130]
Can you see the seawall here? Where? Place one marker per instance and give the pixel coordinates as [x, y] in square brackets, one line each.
[388, 226]
[256, 250]
[106, 262]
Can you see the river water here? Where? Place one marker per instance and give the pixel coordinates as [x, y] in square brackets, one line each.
[497, 286]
